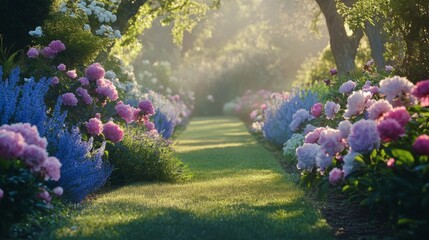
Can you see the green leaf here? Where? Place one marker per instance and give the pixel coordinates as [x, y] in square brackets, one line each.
[403, 156]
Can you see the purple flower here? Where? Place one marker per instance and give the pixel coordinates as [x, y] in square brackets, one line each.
[344, 128]
[323, 160]
[150, 126]
[28, 132]
[58, 191]
[347, 87]
[69, 99]
[113, 132]
[331, 141]
[61, 67]
[390, 130]
[33, 53]
[298, 118]
[377, 109]
[421, 145]
[331, 109]
[350, 163]
[316, 109]
[45, 196]
[388, 68]
[333, 71]
[84, 81]
[94, 126]
[356, 103]
[34, 157]
[106, 88]
[71, 74]
[146, 107]
[421, 92]
[363, 137]
[95, 72]
[11, 144]
[126, 112]
[55, 80]
[313, 136]
[400, 114]
[57, 46]
[306, 155]
[336, 176]
[51, 169]
[83, 93]
[47, 52]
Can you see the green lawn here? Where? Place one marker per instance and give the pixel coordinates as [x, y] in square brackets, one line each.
[238, 191]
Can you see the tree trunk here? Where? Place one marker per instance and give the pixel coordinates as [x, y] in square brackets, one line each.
[126, 10]
[376, 41]
[344, 48]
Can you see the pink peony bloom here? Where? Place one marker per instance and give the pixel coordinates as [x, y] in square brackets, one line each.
[34, 157]
[61, 67]
[331, 141]
[44, 195]
[150, 126]
[84, 81]
[316, 109]
[95, 72]
[336, 176]
[12, 144]
[390, 130]
[356, 103]
[421, 145]
[58, 191]
[363, 137]
[29, 133]
[94, 126]
[126, 112]
[400, 114]
[113, 132]
[263, 107]
[57, 46]
[347, 87]
[331, 109]
[33, 53]
[69, 99]
[344, 128]
[396, 90]
[421, 92]
[106, 88]
[253, 115]
[313, 137]
[146, 107]
[378, 108]
[391, 163]
[55, 80]
[83, 93]
[51, 169]
[47, 52]
[71, 74]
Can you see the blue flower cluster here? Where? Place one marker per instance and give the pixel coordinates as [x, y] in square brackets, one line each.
[276, 128]
[83, 170]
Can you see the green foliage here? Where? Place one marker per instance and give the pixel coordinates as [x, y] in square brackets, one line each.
[142, 157]
[82, 47]
[405, 23]
[8, 58]
[20, 188]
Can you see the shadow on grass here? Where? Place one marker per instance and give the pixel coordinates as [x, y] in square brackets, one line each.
[241, 221]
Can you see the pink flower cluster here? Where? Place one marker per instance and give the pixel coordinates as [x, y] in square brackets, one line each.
[106, 88]
[22, 141]
[331, 109]
[392, 124]
[146, 107]
[347, 87]
[421, 92]
[69, 99]
[83, 93]
[316, 109]
[421, 145]
[111, 131]
[95, 72]
[397, 90]
[126, 112]
[50, 51]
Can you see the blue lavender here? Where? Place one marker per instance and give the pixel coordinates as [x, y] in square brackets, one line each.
[278, 118]
[164, 124]
[83, 171]
[9, 92]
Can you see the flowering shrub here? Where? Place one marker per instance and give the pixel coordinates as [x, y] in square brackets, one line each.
[372, 144]
[25, 169]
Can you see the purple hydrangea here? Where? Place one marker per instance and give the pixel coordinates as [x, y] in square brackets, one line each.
[94, 126]
[306, 155]
[421, 145]
[146, 107]
[113, 132]
[95, 72]
[344, 128]
[364, 137]
[11, 144]
[331, 141]
[347, 87]
[331, 109]
[33, 53]
[298, 118]
[69, 99]
[57, 46]
[336, 176]
[390, 130]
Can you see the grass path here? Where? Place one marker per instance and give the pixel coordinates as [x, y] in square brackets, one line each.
[238, 191]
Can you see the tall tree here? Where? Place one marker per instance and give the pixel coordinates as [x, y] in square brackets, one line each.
[344, 47]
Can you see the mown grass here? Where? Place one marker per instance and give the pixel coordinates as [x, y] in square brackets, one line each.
[238, 191]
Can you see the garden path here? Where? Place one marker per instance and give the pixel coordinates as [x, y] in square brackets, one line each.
[238, 191]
